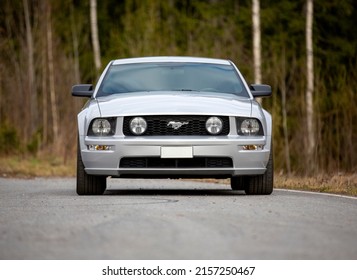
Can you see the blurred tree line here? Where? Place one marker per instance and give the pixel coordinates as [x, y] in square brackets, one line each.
[46, 47]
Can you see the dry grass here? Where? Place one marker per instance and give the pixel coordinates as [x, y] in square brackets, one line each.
[44, 166]
[47, 166]
[344, 184]
[336, 183]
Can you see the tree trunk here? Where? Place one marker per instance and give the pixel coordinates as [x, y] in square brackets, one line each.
[310, 85]
[256, 43]
[94, 32]
[77, 76]
[44, 98]
[284, 112]
[44, 77]
[52, 78]
[31, 90]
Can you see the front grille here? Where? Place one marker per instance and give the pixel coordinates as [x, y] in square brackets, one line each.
[158, 126]
[156, 162]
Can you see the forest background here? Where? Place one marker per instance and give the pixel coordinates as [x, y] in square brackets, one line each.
[46, 47]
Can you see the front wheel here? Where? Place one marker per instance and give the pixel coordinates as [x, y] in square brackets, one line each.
[88, 184]
[261, 184]
[256, 185]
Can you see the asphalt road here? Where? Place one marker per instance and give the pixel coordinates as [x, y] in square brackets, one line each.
[171, 219]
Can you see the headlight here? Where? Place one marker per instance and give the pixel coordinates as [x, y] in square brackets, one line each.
[138, 126]
[102, 127]
[214, 125]
[249, 127]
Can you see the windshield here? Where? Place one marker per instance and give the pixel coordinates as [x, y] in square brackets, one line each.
[167, 76]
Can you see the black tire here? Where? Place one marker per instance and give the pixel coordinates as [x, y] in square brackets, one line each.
[237, 183]
[88, 184]
[261, 184]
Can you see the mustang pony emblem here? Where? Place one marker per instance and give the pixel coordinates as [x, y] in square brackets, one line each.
[176, 125]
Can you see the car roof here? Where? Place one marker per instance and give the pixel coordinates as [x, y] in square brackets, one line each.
[183, 59]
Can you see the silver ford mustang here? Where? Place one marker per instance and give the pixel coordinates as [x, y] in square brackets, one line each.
[174, 117]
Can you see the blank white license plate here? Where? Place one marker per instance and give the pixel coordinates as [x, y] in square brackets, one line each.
[176, 152]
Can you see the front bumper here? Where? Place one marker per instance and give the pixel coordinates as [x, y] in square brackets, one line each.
[106, 162]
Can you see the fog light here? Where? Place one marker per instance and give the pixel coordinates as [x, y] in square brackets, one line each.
[214, 125]
[138, 125]
[99, 147]
[252, 147]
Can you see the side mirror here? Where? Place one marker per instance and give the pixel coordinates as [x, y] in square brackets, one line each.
[84, 90]
[260, 90]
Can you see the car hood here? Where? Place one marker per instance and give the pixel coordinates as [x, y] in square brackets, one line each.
[173, 103]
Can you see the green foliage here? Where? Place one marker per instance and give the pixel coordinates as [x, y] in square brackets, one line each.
[34, 144]
[9, 139]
